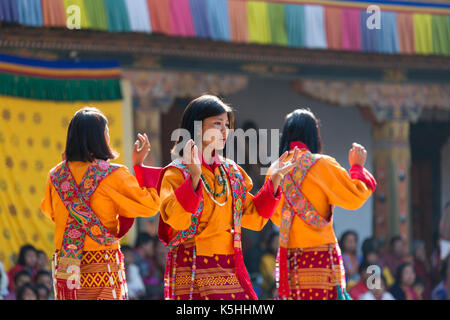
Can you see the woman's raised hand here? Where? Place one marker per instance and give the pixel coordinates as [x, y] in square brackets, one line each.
[357, 155]
[192, 161]
[141, 149]
[282, 166]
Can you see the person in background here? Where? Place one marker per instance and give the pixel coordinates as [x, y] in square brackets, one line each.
[43, 292]
[378, 293]
[145, 259]
[42, 262]
[444, 232]
[349, 244]
[136, 288]
[422, 267]
[370, 251]
[392, 259]
[27, 261]
[360, 287]
[442, 290]
[156, 290]
[27, 292]
[267, 266]
[3, 282]
[404, 281]
[44, 278]
[20, 278]
[419, 288]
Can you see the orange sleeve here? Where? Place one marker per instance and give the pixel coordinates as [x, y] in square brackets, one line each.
[129, 198]
[46, 203]
[177, 196]
[338, 186]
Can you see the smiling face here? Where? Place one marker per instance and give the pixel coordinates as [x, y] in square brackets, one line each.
[215, 131]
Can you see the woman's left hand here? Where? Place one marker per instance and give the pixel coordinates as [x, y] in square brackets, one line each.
[141, 152]
[282, 166]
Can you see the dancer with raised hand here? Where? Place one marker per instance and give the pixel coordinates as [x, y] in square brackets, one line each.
[309, 262]
[93, 204]
[205, 201]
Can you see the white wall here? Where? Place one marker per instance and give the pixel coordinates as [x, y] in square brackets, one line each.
[267, 101]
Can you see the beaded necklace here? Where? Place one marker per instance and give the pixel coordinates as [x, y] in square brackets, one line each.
[210, 191]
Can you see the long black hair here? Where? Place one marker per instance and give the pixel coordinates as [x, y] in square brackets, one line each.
[199, 109]
[23, 251]
[301, 125]
[344, 236]
[86, 137]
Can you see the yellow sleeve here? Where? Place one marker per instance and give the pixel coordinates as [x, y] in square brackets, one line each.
[46, 203]
[334, 180]
[251, 219]
[172, 211]
[129, 198]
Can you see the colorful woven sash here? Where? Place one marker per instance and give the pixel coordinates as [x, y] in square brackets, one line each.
[295, 204]
[239, 192]
[81, 221]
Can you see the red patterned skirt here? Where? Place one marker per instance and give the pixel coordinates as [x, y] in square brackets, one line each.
[213, 278]
[102, 276]
[315, 273]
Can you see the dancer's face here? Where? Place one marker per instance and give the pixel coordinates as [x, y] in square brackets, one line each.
[215, 131]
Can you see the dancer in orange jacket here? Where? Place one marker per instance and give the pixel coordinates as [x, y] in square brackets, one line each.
[93, 204]
[309, 260]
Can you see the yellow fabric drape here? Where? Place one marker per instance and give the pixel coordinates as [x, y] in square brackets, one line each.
[423, 37]
[258, 22]
[32, 138]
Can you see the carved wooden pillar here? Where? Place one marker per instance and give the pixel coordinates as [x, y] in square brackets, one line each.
[392, 162]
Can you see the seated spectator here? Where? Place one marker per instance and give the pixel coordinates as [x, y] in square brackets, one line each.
[370, 251]
[20, 278]
[404, 281]
[442, 290]
[27, 292]
[348, 245]
[45, 278]
[422, 267]
[43, 292]
[42, 262]
[156, 289]
[267, 266]
[3, 282]
[360, 287]
[144, 258]
[27, 261]
[378, 293]
[444, 232]
[419, 288]
[136, 288]
[392, 259]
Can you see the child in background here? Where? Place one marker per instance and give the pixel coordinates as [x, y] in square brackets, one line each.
[378, 293]
[348, 244]
[136, 288]
[43, 292]
[27, 292]
[27, 261]
[22, 277]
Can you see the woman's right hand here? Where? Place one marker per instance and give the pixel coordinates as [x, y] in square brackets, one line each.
[192, 161]
[357, 155]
